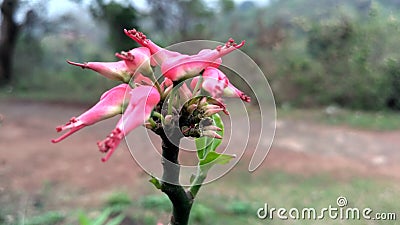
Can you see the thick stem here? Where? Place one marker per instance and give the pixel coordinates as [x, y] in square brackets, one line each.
[181, 200]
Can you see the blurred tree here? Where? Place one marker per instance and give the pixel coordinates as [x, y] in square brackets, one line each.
[8, 36]
[227, 6]
[184, 19]
[117, 17]
[393, 72]
[10, 30]
[332, 42]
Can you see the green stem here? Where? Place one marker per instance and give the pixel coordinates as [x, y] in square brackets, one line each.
[197, 182]
[153, 78]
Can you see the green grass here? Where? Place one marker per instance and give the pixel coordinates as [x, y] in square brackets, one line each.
[235, 198]
[379, 121]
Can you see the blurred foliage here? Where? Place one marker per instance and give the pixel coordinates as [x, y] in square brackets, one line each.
[336, 55]
[202, 214]
[48, 218]
[240, 208]
[117, 17]
[340, 53]
[333, 115]
[118, 201]
[172, 21]
[234, 201]
[160, 202]
[104, 218]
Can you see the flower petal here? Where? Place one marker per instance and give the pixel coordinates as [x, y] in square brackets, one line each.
[184, 66]
[111, 103]
[112, 70]
[160, 54]
[143, 100]
[137, 59]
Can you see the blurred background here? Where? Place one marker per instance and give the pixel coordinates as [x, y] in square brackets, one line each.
[333, 66]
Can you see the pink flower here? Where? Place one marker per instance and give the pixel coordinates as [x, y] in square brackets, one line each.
[217, 84]
[233, 92]
[137, 59]
[177, 66]
[111, 103]
[133, 62]
[141, 39]
[185, 66]
[112, 70]
[143, 100]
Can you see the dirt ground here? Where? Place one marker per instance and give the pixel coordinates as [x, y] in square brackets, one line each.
[28, 159]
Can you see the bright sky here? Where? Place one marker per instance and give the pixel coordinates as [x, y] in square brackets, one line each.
[60, 6]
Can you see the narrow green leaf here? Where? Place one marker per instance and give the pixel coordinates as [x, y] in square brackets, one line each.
[156, 182]
[213, 158]
[117, 220]
[103, 217]
[202, 145]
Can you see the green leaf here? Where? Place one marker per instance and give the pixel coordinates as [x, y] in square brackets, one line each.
[213, 158]
[203, 145]
[103, 217]
[83, 219]
[156, 182]
[117, 220]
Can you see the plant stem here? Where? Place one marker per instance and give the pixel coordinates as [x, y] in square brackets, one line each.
[197, 182]
[181, 200]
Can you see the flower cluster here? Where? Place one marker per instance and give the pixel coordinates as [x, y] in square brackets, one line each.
[141, 96]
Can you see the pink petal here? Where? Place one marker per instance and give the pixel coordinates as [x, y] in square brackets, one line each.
[110, 104]
[137, 59]
[159, 53]
[232, 91]
[143, 100]
[185, 66]
[112, 70]
[111, 142]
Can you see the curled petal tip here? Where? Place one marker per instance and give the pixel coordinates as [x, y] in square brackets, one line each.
[59, 128]
[110, 143]
[241, 44]
[125, 56]
[82, 65]
[245, 98]
[101, 146]
[62, 137]
[137, 36]
[109, 153]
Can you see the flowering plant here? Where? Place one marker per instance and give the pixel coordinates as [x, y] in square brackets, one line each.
[168, 106]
